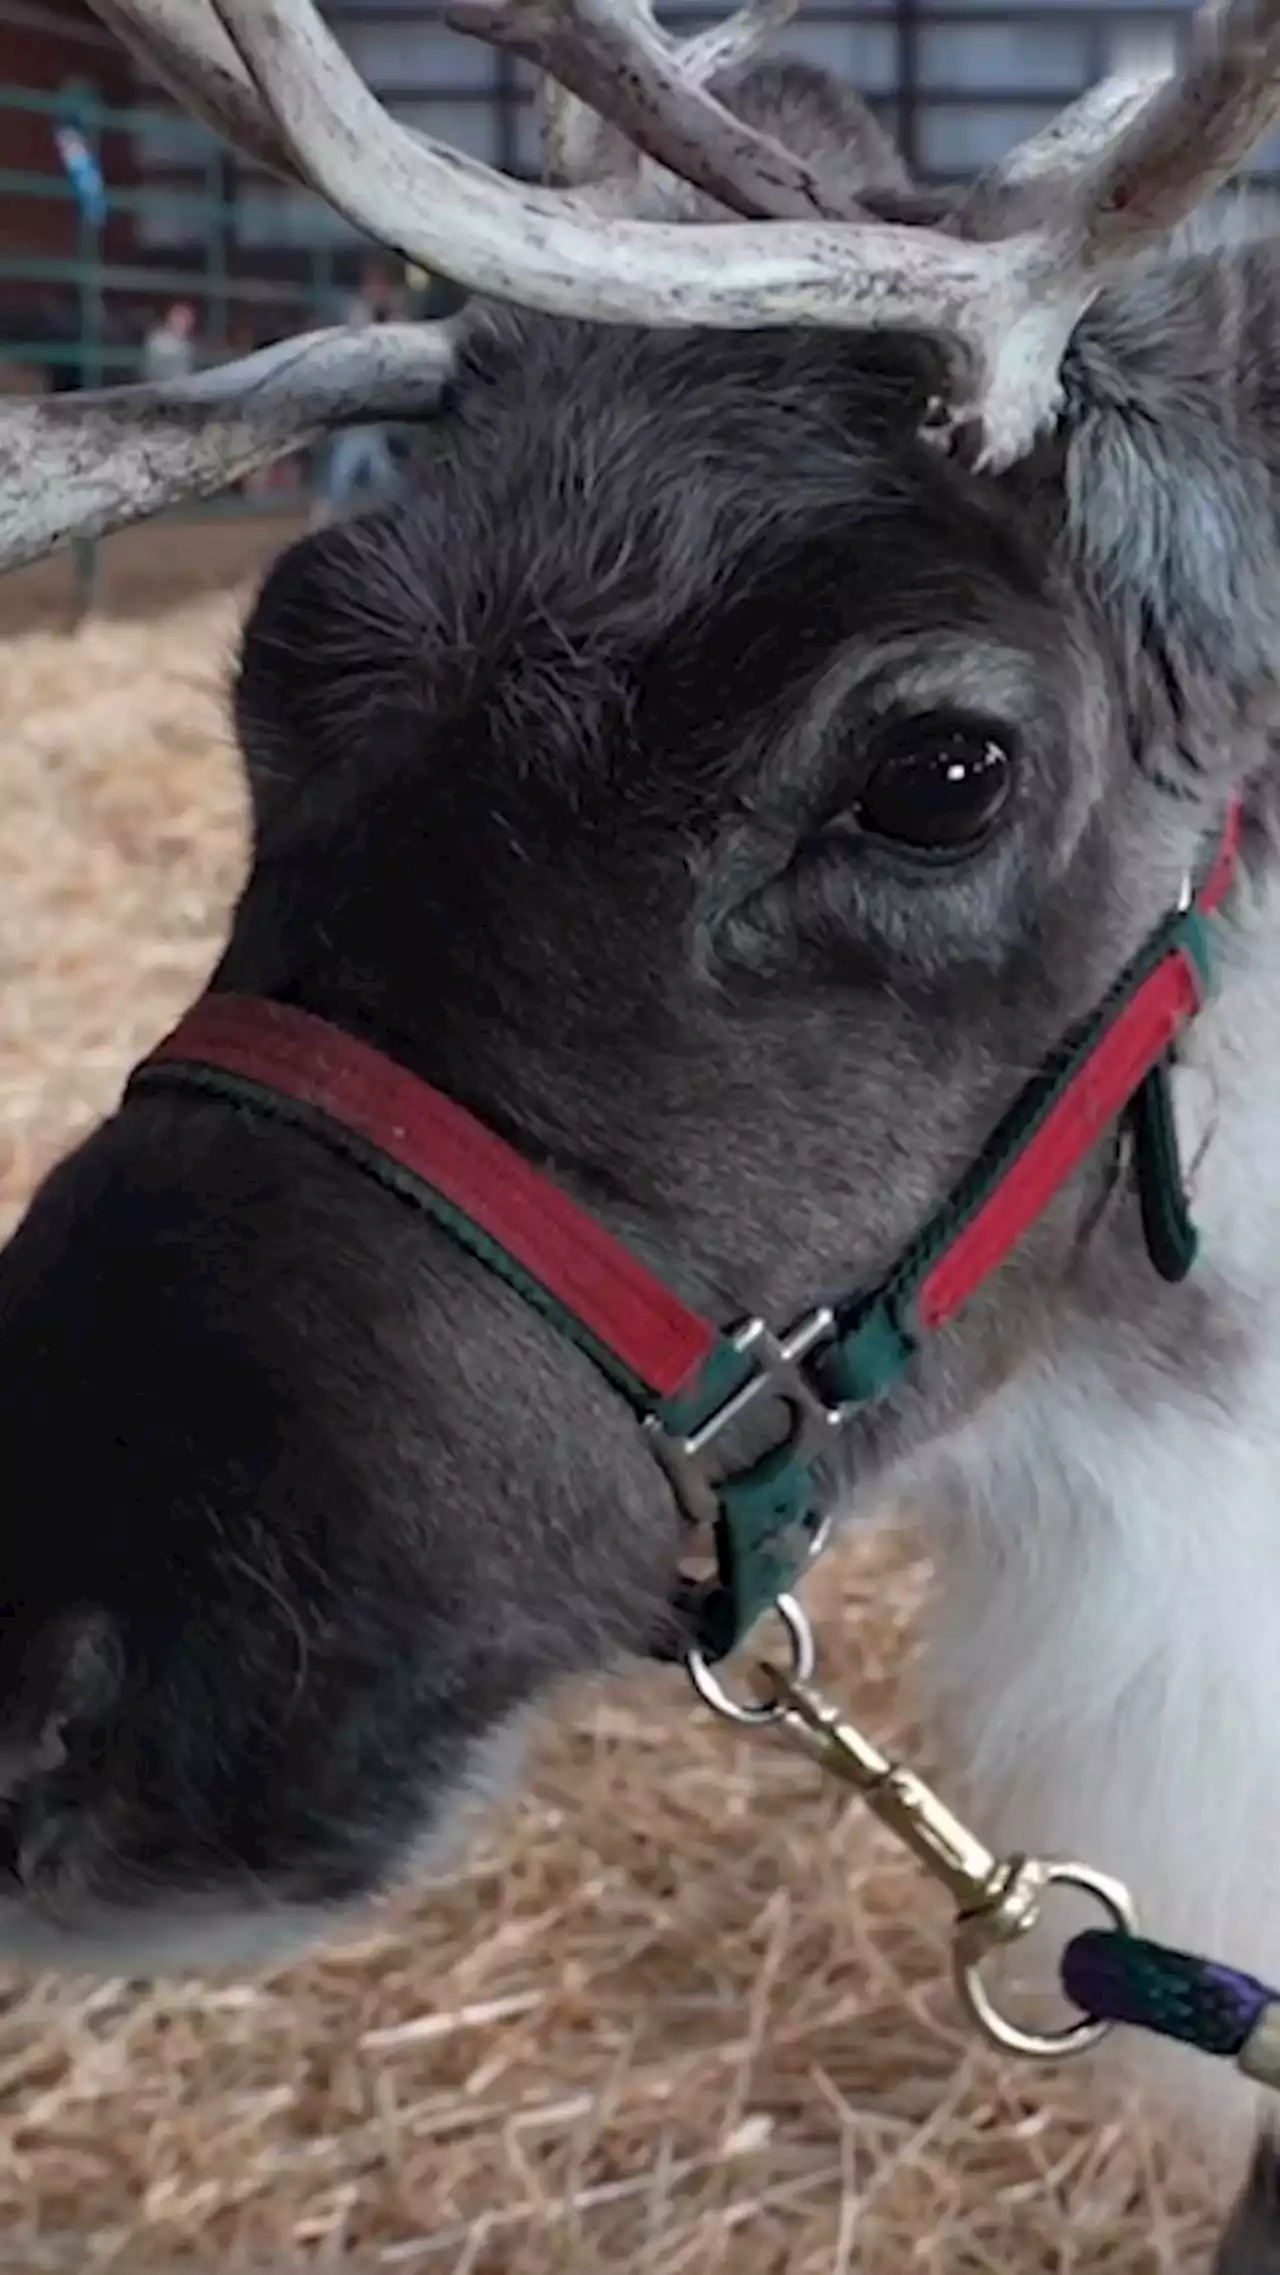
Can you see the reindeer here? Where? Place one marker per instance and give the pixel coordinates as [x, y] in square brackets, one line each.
[830, 633]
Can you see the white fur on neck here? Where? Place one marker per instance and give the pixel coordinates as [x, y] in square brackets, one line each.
[1105, 1662]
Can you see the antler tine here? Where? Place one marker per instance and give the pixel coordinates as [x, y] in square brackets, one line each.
[1191, 134]
[1135, 157]
[80, 465]
[583, 147]
[727, 46]
[613, 57]
[580, 146]
[184, 44]
[1020, 190]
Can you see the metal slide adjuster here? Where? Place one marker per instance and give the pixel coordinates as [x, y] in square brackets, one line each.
[777, 1373]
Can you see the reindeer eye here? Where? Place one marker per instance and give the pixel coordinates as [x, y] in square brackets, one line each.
[936, 784]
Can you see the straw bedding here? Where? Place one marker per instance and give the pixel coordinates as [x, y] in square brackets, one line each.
[683, 2011]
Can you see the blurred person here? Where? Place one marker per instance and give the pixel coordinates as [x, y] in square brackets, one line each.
[169, 350]
[430, 295]
[360, 459]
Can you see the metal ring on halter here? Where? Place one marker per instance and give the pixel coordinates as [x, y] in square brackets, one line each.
[804, 1658]
[822, 1537]
[1071, 2037]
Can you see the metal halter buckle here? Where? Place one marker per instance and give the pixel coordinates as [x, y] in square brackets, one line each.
[777, 1373]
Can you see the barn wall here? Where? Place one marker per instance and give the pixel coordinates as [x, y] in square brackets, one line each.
[46, 46]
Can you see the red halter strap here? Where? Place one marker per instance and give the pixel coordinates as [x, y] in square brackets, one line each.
[687, 1379]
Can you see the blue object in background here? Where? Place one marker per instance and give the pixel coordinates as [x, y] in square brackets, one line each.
[83, 173]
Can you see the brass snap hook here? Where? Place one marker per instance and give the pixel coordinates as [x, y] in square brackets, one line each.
[997, 1899]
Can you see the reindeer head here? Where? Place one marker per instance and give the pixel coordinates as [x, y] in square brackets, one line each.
[720, 786]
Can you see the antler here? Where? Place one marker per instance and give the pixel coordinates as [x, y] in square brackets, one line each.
[615, 59]
[1009, 302]
[614, 47]
[582, 146]
[1003, 284]
[1136, 155]
[1020, 191]
[185, 46]
[727, 46]
[85, 464]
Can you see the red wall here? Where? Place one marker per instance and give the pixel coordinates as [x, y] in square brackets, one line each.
[36, 54]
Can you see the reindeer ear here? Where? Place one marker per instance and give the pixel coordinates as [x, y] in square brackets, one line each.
[306, 681]
[1161, 493]
[67, 1674]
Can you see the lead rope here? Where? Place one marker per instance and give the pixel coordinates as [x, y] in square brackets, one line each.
[1111, 1975]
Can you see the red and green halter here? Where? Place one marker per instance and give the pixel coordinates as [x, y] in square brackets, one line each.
[688, 1380]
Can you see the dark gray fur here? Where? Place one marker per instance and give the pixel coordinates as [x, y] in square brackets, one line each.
[547, 766]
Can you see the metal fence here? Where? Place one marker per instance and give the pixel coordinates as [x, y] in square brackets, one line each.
[111, 298]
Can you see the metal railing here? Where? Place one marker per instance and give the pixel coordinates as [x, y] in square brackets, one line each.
[207, 275]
